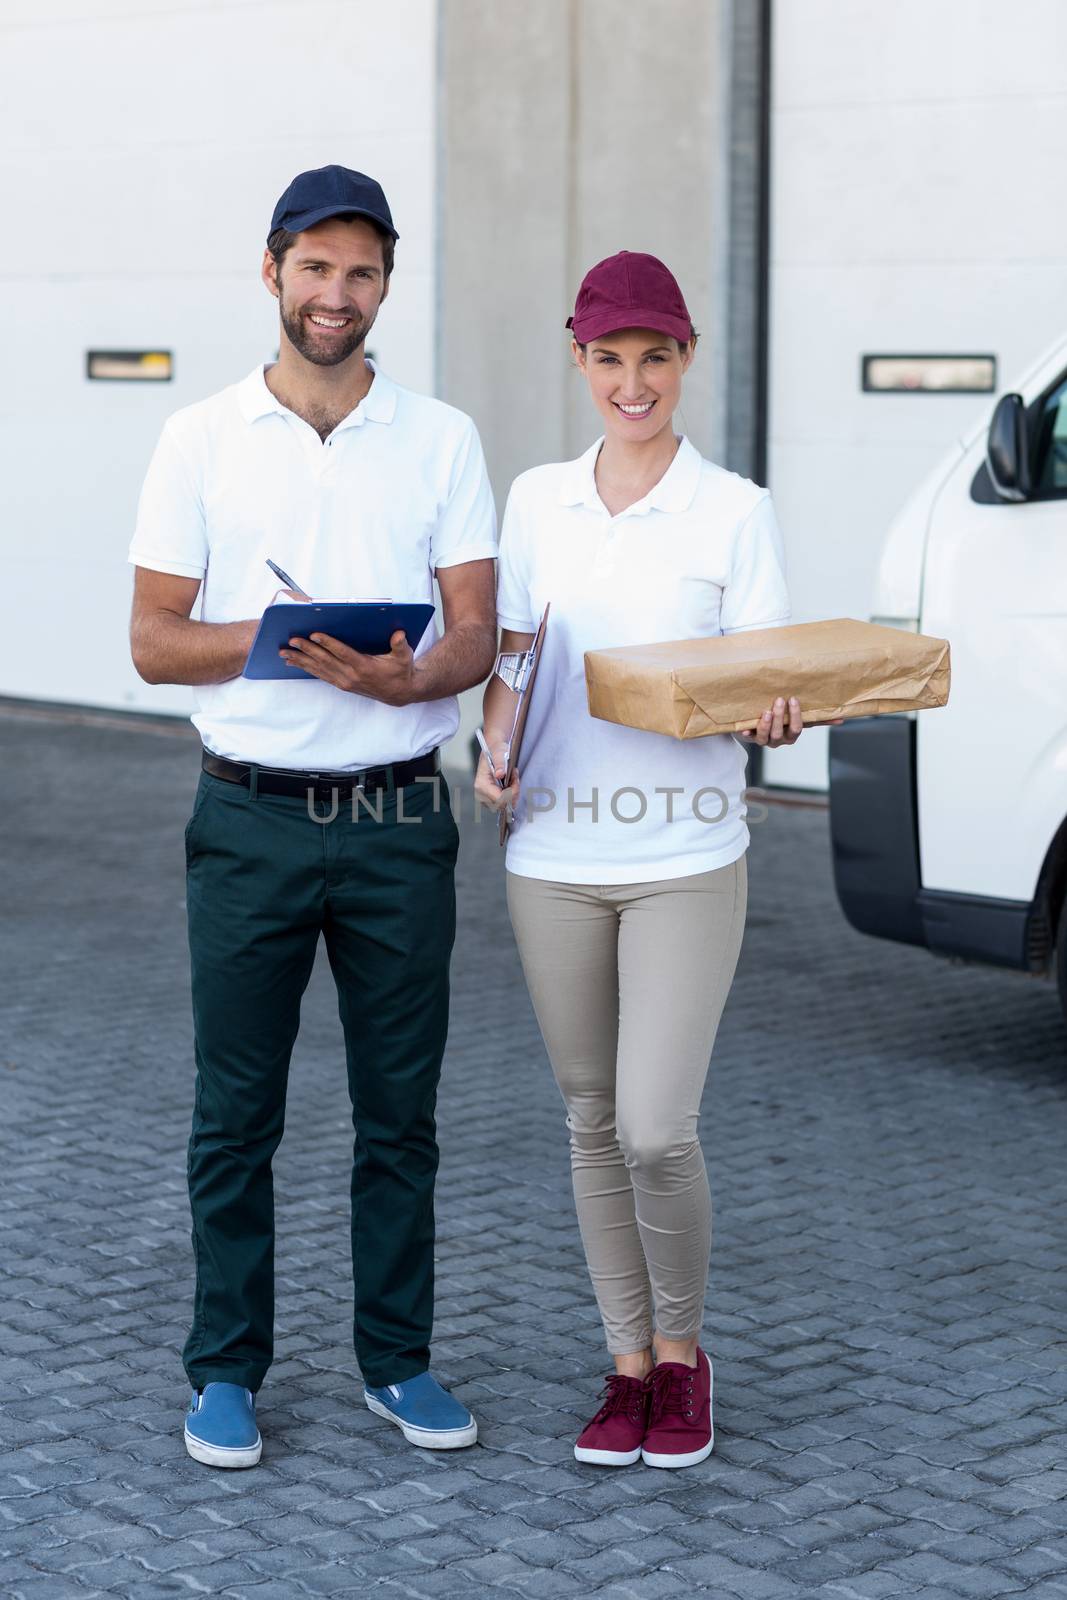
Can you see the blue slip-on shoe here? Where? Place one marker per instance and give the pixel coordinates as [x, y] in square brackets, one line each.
[427, 1414]
[221, 1428]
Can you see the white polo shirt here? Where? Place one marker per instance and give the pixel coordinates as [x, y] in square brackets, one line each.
[398, 489]
[700, 555]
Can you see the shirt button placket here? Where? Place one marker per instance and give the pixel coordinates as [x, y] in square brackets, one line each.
[604, 559]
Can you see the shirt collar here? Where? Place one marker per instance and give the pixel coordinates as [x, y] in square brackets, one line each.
[378, 404]
[675, 491]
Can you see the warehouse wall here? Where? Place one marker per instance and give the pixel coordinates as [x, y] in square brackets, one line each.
[144, 143]
[916, 160]
[570, 130]
[915, 183]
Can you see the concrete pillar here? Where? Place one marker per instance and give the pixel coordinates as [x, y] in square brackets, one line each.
[568, 130]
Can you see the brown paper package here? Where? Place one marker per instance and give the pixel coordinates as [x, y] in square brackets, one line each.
[693, 687]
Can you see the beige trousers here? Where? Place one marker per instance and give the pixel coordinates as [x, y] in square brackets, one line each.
[629, 982]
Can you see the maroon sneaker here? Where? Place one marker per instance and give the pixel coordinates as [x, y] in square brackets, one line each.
[613, 1438]
[680, 1432]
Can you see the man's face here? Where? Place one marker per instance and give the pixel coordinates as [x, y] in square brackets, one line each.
[329, 288]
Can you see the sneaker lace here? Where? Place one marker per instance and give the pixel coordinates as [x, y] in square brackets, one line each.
[670, 1392]
[621, 1394]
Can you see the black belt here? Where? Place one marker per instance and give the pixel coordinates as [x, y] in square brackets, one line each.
[322, 786]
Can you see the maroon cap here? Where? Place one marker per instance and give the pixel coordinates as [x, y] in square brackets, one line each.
[629, 290]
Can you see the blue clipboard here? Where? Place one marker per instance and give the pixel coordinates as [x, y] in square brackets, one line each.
[363, 625]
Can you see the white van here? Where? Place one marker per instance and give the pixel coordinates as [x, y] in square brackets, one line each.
[950, 828]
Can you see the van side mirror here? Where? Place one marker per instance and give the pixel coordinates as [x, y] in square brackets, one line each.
[1008, 449]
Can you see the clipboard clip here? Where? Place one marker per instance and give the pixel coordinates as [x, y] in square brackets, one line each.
[515, 667]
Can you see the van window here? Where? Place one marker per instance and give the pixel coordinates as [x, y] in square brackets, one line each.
[1050, 445]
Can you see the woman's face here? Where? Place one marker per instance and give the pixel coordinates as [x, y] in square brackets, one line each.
[635, 379]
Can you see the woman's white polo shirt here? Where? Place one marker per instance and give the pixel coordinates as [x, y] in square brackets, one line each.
[700, 555]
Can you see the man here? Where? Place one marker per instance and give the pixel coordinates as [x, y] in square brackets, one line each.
[319, 811]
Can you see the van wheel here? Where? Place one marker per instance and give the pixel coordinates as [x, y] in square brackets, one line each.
[1061, 959]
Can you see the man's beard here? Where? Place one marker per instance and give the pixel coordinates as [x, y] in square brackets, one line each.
[324, 350]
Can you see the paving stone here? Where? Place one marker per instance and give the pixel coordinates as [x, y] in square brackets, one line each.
[748, 1548]
[875, 1585]
[887, 1290]
[611, 1561]
[929, 1568]
[1037, 1561]
[717, 1574]
[650, 1586]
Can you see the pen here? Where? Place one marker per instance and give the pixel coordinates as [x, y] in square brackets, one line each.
[284, 576]
[480, 736]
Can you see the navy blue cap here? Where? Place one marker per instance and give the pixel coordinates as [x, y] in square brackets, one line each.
[331, 192]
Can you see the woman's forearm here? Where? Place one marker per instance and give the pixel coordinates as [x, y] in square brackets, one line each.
[498, 702]
[498, 712]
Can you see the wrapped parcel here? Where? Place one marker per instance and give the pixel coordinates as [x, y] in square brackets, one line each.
[693, 687]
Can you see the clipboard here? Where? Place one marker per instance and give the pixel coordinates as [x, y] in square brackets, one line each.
[518, 669]
[364, 625]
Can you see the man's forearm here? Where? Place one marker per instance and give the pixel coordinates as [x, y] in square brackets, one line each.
[462, 657]
[170, 649]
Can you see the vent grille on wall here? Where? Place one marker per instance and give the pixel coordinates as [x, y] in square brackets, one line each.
[929, 374]
[138, 366]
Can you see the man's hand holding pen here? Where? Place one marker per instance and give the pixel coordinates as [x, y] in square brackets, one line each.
[391, 678]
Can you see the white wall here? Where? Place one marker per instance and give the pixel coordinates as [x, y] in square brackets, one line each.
[143, 144]
[917, 156]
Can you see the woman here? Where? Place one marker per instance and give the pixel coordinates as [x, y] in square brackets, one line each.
[626, 866]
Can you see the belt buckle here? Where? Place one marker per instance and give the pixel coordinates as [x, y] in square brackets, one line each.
[320, 790]
[325, 790]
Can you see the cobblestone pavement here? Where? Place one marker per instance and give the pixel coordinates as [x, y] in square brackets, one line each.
[885, 1135]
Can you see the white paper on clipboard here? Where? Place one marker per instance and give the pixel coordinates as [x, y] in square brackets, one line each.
[518, 669]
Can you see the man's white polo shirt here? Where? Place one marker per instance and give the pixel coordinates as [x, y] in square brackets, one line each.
[700, 555]
[398, 489]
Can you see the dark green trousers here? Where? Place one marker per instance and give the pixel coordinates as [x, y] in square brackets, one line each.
[265, 880]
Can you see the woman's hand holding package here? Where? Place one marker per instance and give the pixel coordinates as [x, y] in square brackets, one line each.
[773, 728]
